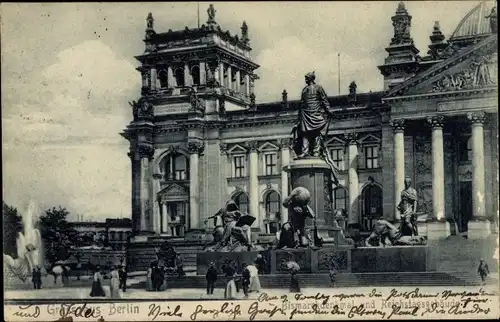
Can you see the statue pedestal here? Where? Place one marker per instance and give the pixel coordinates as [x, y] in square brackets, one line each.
[315, 175]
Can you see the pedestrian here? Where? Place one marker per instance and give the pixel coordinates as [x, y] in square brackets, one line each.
[33, 278]
[149, 278]
[38, 278]
[230, 291]
[211, 278]
[245, 279]
[65, 275]
[179, 264]
[123, 278]
[114, 284]
[254, 279]
[483, 270]
[158, 277]
[97, 289]
[261, 264]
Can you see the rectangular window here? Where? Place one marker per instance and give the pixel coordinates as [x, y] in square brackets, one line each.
[239, 166]
[270, 161]
[337, 156]
[371, 157]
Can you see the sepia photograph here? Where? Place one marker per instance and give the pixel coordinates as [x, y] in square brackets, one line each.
[192, 161]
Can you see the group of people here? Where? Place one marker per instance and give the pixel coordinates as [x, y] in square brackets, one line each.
[118, 281]
[247, 279]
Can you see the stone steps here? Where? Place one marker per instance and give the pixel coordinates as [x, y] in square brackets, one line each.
[343, 280]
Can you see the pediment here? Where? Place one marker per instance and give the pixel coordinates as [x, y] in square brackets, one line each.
[268, 147]
[237, 149]
[335, 141]
[369, 138]
[173, 190]
[474, 68]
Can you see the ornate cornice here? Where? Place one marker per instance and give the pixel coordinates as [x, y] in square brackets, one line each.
[436, 122]
[476, 117]
[398, 125]
[145, 150]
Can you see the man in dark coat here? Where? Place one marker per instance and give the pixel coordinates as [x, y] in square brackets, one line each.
[158, 277]
[123, 278]
[245, 279]
[179, 264]
[483, 270]
[211, 278]
[261, 264]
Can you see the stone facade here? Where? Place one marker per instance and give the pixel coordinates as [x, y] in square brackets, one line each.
[198, 138]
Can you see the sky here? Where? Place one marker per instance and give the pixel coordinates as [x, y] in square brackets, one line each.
[68, 72]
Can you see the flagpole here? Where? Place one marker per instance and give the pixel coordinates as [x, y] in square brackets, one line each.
[198, 12]
[338, 69]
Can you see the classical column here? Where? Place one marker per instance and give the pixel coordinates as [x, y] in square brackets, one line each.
[203, 73]
[195, 147]
[145, 154]
[247, 85]
[478, 183]
[436, 123]
[238, 80]
[221, 74]
[188, 79]
[285, 160]
[164, 214]
[153, 79]
[136, 212]
[398, 127]
[172, 82]
[254, 181]
[352, 153]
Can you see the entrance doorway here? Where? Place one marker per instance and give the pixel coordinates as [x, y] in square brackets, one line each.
[465, 202]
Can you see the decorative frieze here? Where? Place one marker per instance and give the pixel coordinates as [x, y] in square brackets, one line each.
[252, 145]
[436, 121]
[351, 138]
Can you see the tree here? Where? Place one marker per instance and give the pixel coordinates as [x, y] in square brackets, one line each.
[12, 226]
[58, 235]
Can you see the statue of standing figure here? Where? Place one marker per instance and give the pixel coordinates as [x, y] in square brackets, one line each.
[408, 209]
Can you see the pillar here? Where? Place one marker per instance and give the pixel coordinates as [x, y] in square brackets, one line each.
[153, 80]
[438, 227]
[352, 154]
[188, 79]
[247, 85]
[195, 147]
[145, 154]
[479, 226]
[254, 182]
[164, 216]
[157, 211]
[237, 82]
[221, 74]
[203, 73]
[229, 80]
[172, 82]
[399, 163]
[285, 160]
[136, 211]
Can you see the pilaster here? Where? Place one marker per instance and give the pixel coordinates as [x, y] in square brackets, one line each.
[352, 154]
[195, 148]
[398, 127]
[254, 182]
[285, 161]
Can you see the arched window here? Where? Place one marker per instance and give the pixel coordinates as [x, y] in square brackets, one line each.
[163, 77]
[195, 73]
[175, 167]
[241, 201]
[179, 77]
[273, 202]
[340, 198]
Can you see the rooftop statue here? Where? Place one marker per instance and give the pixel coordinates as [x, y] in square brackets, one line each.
[493, 20]
[211, 14]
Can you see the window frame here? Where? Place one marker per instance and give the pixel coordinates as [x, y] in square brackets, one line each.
[243, 166]
[236, 199]
[372, 159]
[346, 198]
[268, 202]
[340, 164]
[272, 166]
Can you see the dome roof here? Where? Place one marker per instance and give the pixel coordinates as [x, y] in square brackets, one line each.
[475, 22]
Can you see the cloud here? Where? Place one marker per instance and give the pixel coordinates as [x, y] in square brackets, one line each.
[65, 148]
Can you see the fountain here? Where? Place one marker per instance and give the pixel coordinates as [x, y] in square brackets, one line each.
[29, 249]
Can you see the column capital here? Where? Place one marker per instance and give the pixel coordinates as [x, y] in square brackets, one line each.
[252, 145]
[223, 148]
[351, 138]
[146, 151]
[398, 125]
[285, 143]
[436, 122]
[476, 117]
[195, 146]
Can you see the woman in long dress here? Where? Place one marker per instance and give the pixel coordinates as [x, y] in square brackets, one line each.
[254, 279]
[114, 285]
[97, 289]
[149, 279]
